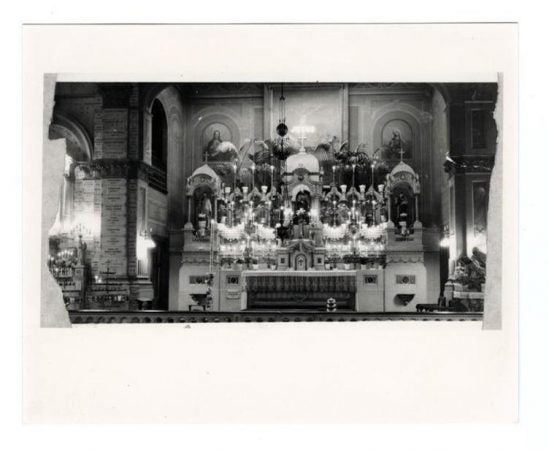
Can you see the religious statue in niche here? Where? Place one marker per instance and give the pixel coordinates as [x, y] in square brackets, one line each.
[402, 208]
[219, 147]
[203, 210]
[403, 214]
[397, 140]
[206, 206]
[302, 201]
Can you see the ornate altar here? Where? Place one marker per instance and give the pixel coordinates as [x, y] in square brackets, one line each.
[284, 237]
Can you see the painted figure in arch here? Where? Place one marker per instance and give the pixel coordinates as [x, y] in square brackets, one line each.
[211, 147]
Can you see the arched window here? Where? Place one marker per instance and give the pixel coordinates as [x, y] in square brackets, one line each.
[159, 143]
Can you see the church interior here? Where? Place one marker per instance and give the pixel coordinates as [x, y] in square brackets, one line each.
[363, 198]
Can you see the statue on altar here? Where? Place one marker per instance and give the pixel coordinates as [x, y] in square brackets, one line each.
[402, 208]
[302, 201]
[204, 214]
[206, 205]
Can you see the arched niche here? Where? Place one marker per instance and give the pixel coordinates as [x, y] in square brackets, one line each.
[212, 128]
[202, 195]
[403, 189]
[203, 183]
[403, 204]
[301, 261]
[299, 189]
[408, 131]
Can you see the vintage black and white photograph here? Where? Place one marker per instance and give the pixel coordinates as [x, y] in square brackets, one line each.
[186, 202]
[270, 224]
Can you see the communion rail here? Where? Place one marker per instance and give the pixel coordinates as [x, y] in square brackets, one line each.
[86, 317]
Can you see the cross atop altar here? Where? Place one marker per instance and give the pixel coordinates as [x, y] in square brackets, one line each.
[302, 131]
